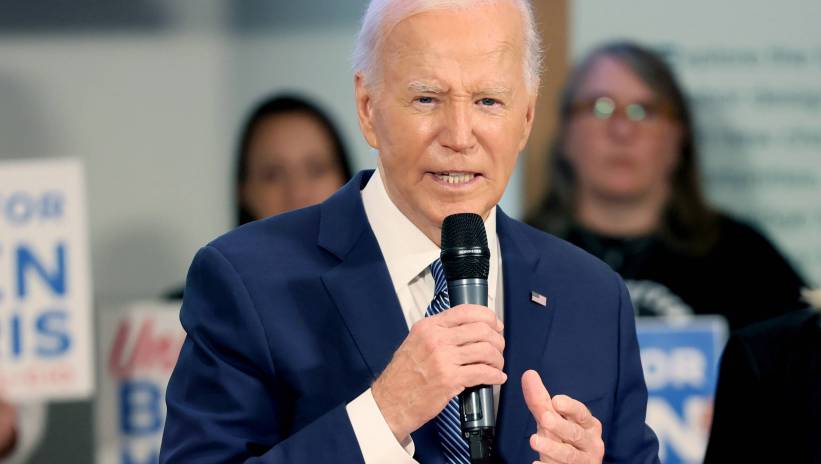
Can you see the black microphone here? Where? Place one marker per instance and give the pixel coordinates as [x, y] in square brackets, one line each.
[466, 262]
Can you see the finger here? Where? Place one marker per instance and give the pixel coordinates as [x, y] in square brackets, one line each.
[477, 332]
[536, 396]
[480, 374]
[566, 431]
[467, 313]
[574, 410]
[556, 451]
[480, 353]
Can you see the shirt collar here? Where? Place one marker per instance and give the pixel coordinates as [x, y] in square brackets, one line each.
[407, 251]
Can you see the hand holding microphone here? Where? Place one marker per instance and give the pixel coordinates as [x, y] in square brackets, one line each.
[452, 352]
[466, 262]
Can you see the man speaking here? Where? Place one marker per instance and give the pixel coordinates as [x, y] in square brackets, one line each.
[312, 335]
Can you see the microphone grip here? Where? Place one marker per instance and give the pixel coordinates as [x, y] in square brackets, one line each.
[467, 291]
[478, 422]
[478, 417]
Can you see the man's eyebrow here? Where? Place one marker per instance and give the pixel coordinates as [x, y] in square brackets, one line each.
[495, 90]
[424, 87]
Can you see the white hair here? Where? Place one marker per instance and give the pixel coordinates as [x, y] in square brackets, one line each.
[383, 15]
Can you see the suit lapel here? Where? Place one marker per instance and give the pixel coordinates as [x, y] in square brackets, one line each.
[360, 285]
[361, 288]
[526, 330]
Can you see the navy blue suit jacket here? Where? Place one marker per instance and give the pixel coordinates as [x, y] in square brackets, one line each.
[290, 318]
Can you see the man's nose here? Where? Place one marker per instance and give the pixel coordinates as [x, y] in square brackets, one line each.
[457, 133]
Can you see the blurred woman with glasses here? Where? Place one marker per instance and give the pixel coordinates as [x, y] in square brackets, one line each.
[625, 185]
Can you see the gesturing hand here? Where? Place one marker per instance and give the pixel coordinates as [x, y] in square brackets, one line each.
[443, 354]
[566, 431]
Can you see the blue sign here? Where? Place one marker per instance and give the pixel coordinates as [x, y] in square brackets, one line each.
[680, 361]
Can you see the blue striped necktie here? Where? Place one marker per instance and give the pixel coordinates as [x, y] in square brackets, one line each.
[447, 422]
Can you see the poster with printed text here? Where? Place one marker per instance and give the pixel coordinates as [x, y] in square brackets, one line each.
[138, 349]
[45, 282]
[680, 360]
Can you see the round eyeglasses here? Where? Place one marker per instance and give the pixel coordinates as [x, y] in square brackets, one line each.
[605, 108]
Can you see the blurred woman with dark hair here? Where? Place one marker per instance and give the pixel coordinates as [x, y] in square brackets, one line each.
[625, 185]
[290, 156]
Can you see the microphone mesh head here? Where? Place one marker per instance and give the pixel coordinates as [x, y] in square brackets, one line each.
[465, 254]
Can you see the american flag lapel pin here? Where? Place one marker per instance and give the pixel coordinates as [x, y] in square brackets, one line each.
[538, 298]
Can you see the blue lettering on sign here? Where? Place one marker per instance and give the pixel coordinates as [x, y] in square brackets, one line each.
[153, 457]
[46, 333]
[21, 208]
[16, 336]
[52, 205]
[140, 408]
[54, 339]
[680, 363]
[27, 260]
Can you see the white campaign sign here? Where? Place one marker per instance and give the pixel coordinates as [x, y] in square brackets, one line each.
[138, 348]
[45, 283]
[752, 69]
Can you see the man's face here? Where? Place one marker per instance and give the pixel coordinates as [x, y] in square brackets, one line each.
[449, 111]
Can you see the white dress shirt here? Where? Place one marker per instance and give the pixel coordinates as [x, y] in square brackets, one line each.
[408, 254]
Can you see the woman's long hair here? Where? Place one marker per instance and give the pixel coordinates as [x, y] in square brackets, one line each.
[689, 224]
[274, 106]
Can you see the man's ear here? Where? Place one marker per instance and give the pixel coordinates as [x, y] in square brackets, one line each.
[530, 114]
[364, 110]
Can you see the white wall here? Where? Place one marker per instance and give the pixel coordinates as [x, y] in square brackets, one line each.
[761, 157]
[152, 105]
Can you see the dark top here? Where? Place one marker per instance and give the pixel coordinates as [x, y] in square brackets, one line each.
[768, 402]
[742, 277]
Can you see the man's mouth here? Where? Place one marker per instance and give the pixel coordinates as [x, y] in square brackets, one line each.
[456, 177]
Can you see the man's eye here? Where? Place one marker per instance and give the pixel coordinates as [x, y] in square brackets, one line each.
[488, 102]
[424, 100]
